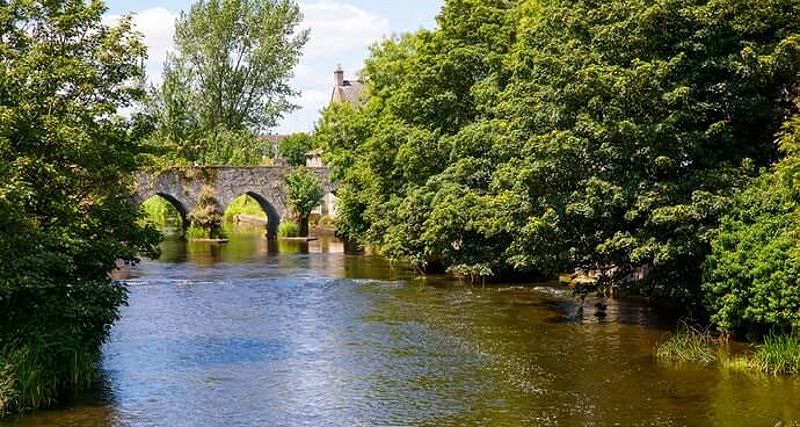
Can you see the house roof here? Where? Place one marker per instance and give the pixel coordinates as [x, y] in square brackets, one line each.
[349, 92]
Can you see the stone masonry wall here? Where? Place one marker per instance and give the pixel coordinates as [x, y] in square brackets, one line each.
[182, 187]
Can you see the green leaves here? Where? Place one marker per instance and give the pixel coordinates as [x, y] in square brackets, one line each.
[304, 192]
[293, 148]
[67, 162]
[551, 135]
[751, 275]
[228, 80]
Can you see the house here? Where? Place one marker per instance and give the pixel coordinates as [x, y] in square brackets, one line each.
[346, 91]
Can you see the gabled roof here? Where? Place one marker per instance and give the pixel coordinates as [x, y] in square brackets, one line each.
[349, 92]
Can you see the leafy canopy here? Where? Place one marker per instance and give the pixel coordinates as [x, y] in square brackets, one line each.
[540, 136]
[294, 147]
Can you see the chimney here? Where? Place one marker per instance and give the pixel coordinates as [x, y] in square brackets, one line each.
[338, 76]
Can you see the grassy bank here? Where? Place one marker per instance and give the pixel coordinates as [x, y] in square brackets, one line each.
[777, 354]
[39, 374]
[244, 205]
[161, 213]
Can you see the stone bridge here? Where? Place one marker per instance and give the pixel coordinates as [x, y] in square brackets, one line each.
[183, 186]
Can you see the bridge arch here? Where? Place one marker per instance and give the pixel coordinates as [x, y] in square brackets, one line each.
[273, 215]
[183, 211]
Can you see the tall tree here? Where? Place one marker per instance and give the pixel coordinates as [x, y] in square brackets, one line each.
[229, 74]
[66, 218]
[558, 134]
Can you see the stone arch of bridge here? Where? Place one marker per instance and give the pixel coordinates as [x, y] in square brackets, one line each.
[273, 216]
[172, 200]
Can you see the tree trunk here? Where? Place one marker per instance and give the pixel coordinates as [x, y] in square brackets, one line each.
[303, 225]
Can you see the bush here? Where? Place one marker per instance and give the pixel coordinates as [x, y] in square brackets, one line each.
[326, 222]
[288, 229]
[751, 275]
[206, 216]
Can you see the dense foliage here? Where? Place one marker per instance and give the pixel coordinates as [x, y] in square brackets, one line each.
[66, 218]
[294, 147]
[527, 136]
[207, 215]
[304, 193]
[752, 274]
[227, 81]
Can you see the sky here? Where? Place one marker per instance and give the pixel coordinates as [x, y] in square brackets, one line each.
[341, 33]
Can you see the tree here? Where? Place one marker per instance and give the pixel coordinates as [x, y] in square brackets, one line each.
[293, 148]
[751, 275]
[543, 136]
[66, 216]
[228, 75]
[423, 88]
[630, 140]
[304, 193]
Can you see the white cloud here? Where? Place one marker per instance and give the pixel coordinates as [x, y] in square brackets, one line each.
[340, 33]
[158, 27]
[340, 28]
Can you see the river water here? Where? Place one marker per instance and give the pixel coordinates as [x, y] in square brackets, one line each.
[291, 334]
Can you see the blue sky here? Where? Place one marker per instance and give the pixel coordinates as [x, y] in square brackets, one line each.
[341, 32]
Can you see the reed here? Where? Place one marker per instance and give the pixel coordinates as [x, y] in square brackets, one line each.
[38, 372]
[689, 344]
[288, 229]
[778, 355]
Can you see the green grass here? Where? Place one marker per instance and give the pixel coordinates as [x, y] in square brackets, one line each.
[195, 232]
[243, 205]
[288, 229]
[36, 374]
[689, 344]
[161, 213]
[778, 355]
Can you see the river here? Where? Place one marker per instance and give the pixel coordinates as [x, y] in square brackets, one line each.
[291, 334]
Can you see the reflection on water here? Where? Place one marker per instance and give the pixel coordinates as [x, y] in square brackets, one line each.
[253, 333]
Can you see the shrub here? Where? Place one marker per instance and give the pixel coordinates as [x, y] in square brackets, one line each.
[288, 229]
[751, 275]
[326, 222]
[206, 215]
